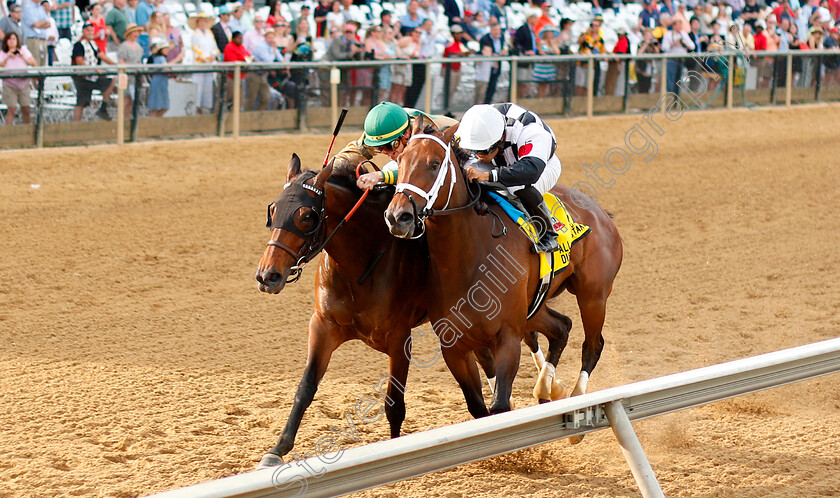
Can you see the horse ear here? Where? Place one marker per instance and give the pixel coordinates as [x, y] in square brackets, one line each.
[294, 168]
[449, 133]
[325, 173]
[419, 125]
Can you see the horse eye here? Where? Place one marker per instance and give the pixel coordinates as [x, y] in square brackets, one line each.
[434, 165]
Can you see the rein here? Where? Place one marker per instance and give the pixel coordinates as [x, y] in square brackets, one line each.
[432, 194]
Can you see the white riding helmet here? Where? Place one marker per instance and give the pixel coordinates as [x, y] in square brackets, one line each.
[481, 127]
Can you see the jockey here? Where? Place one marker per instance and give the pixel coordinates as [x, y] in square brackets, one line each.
[387, 130]
[519, 148]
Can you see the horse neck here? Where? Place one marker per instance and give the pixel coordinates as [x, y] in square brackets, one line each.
[455, 240]
[356, 237]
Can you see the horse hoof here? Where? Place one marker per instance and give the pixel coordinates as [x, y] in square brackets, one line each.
[576, 439]
[544, 401]
[270, 460]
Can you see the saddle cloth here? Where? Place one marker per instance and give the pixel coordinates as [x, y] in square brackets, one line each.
[568, 232]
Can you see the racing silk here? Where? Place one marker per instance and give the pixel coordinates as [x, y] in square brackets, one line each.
[528, 145]
[356, 151]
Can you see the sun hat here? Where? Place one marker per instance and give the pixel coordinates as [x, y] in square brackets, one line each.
[548, 28]
[132, 28]
[159, 44]
[456, 28]
[193, 19]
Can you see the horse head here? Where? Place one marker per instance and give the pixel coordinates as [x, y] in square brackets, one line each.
[297, 224]
[426, 179]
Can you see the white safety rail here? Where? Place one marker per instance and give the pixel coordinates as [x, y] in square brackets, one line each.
[416, 454]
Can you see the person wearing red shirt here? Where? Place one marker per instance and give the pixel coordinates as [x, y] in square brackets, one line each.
[760, 37]
[455, 49]
[783, 9]
[235, 52]
[622, 46]
[544, 19]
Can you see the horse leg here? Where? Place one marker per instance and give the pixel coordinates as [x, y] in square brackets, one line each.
[488, 365]
[507, 354]
[395, 411]
[592, 311]
[323, 340]
[556, 327]
[465, 371]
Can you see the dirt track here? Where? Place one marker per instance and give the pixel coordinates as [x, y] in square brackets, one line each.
[138, 355]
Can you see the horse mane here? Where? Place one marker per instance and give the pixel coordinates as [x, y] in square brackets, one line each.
[345, 179]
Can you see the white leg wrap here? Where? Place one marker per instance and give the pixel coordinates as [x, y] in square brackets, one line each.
[542, 390]
[491, 381]
[539, 359]
[580, 387]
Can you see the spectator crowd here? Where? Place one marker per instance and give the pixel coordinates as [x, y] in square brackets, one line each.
[150, 32]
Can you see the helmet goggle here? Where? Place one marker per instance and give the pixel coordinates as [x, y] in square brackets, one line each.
[489, 151]
[392, 146]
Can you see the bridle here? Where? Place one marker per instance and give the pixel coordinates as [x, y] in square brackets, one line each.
[315, 239]
[430, 196]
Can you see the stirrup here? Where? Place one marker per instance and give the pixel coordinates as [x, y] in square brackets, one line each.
[546, 246]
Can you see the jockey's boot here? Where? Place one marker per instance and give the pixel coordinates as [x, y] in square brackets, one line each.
[541, 220]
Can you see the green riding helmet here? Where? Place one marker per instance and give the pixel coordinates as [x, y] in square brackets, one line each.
[384, 124]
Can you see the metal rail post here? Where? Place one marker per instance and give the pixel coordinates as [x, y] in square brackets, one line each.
[428, 85]
[773, 83]
[730, 79]
[514, 83]
[663, 79]
[590, 87]
[625, 101]
[220, 123]
[632, 449]
[121, 85]
[39, 119]
[135, 109]
[818, 77]
[788, 79]
[237, 99]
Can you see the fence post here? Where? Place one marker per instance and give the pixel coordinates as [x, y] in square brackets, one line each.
[428, 106]
[590, 86]
[122, 83]
[818, 77]
[39, 120]
[730, 78]
[570, 88]
[237, 99]
[663, 79]
[632, 449]
[625, 102]
[788, 79]
[447, 78]
[335, 79]
[220, 123]
[773, 83]
[300, 102]
[135, 109]
[514, 84]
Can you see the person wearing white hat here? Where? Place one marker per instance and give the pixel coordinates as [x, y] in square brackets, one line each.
[518, 149]
[205, 51]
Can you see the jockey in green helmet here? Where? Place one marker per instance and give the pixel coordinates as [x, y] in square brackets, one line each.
[387, 130]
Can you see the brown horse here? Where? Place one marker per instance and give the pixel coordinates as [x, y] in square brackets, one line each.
[472, 307]
[369, 286]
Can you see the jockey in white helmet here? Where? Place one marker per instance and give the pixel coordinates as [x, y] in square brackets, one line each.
[519, 147]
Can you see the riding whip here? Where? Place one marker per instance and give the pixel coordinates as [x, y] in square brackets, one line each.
[335, 134]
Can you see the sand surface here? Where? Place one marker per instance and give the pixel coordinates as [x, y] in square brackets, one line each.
[138, 355]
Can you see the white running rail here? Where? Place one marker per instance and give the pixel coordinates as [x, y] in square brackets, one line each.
[416, 454]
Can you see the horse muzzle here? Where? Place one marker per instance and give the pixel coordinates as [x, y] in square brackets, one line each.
[271, 281]
[401, 222]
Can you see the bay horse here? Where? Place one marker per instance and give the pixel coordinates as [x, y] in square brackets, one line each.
[369, 286]
[434, 195]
